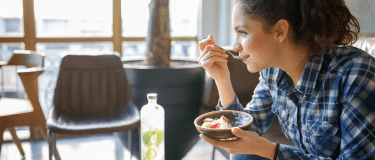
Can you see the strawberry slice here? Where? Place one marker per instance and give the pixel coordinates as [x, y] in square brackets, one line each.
[215, 125]
[223, 118]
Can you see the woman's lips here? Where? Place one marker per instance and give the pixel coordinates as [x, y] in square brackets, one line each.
[244, 58]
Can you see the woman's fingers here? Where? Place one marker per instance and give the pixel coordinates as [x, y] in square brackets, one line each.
[214, 142]
[210, 51]
[203, 43]
[206, 57]
[209, 62]
[206, 60]
[222, 143]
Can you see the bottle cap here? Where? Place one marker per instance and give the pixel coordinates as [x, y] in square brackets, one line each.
[152, 96]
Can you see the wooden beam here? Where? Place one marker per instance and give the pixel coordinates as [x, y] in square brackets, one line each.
[11, 39]
[73, 39]
[184, 38]
[29, 25]
[117, 26]
[98, 39]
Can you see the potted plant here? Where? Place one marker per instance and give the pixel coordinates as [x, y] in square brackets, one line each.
[178, 83]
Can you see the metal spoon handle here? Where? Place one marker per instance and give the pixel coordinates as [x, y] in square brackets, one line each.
[229, 52]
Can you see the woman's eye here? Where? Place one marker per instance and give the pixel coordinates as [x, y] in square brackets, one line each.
[242, 33]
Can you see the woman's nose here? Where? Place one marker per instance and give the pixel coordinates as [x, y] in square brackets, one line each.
[237, 47]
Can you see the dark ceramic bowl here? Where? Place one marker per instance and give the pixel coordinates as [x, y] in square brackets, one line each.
[236, 119]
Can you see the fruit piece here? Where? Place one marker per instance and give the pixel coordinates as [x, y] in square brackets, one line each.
[215, 125]
[206, 125]
[208, 120]
[223, 118]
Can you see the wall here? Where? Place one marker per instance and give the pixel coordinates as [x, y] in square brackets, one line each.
[215, 17]
[364, 11]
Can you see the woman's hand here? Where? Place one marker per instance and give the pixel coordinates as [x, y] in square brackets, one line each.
[213, 59]
[248, 142]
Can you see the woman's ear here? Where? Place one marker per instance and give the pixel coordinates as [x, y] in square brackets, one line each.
[281, 29]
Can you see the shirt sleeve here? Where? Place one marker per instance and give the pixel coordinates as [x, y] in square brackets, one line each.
[259, 107]
[358, 112]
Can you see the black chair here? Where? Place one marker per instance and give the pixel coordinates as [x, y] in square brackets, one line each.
[92, 96]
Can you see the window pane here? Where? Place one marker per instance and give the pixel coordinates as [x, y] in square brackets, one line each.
[183, 17]
[134, 49]
[11, 85]
[134, 15]
[184, 49]
[180, 49]
[11, 18]
[72, 18]
[53, 55]
[6, 50]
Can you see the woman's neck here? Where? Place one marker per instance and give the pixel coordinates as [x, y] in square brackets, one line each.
[296, 58]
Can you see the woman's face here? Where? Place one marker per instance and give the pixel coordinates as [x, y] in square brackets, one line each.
[258, 47]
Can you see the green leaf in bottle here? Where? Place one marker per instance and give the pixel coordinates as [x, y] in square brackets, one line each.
[159, 136]
[147, 139]
[151, 153]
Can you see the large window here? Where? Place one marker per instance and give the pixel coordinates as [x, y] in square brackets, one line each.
[56, 27]
[121, 22]
[59, 26]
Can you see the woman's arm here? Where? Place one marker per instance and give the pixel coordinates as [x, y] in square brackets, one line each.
[357, 114]
[214, 61]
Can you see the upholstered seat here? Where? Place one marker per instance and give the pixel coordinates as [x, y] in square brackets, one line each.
[92, 95]
[366, 44]
[126, 119]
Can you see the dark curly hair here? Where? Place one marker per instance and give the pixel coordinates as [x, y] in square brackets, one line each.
[321, 24]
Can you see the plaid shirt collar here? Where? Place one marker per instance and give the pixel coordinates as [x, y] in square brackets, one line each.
[308, 78]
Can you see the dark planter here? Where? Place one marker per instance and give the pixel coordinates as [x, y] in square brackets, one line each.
[179, 90]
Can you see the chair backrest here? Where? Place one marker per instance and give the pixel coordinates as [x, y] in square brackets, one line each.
[27, 58]
[91, 84]
[33, 61]
[366, 44]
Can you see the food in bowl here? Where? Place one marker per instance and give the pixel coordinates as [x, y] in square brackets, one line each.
[218, 123]
[235, 118]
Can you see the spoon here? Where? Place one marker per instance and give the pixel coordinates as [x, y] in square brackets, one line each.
[232, 53]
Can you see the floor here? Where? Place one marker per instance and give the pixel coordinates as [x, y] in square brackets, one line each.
[99, 147]
[108, 147]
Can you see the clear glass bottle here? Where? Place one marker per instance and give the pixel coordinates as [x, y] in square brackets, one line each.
[152, 130]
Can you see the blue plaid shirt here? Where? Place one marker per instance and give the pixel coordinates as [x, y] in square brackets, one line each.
[329, 114]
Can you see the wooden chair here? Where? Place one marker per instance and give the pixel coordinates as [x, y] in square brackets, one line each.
[92, 96]
[23, 112]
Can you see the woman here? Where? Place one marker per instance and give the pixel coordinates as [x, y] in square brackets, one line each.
[320, 90]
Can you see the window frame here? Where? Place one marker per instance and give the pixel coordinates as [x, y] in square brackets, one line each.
[30, 40]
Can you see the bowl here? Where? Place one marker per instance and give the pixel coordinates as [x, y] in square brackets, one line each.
[236, 118]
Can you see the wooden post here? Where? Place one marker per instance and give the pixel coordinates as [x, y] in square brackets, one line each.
[29, 25]
[117, 26]
[158, 36]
